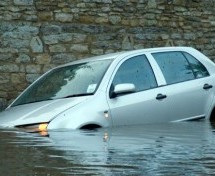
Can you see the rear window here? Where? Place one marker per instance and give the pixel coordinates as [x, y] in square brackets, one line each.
[174, 66]
[198, 68]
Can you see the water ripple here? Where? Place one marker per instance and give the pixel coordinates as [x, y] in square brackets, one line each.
[153, 150]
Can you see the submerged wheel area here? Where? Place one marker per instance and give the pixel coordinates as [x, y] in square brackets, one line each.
[212, 116]
[90, 127]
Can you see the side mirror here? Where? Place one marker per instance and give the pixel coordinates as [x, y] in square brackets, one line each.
[123, 89]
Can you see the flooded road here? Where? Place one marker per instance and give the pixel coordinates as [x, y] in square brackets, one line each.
[161, 149]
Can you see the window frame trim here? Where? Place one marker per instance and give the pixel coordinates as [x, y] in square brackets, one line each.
[180, 51]
[152, 65]
[183, 52]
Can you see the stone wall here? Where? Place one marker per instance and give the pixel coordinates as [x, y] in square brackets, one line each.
[36, 35]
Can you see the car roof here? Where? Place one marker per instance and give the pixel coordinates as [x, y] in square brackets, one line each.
[114, 56]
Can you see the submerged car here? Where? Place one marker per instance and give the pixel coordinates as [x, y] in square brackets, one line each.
[169, 84]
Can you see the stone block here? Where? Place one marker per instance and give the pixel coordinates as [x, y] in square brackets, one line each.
[36, 45]
[97, 51]
[24, 2]
[79, 38]
[4, 78]
[6, 57]
[30, 78]
[152, 4]
[80, 48]
[115, 19]
[43, 59]
[33, 69]
[64, 17]
[86, 19]
[101, 20]
[57, 48]
[23, 58]
[128, 42]
[9, 68]
[45, 16]
[17, 78]
[59, 38]
[63, 58]
[50, 29]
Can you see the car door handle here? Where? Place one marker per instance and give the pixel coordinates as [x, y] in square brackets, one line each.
[160, 96]
[207, 86]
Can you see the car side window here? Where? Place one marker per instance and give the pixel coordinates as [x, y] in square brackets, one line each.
[174, 67]
[198, 68]
[136, 70]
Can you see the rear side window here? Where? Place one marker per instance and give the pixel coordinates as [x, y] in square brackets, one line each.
[136, 70]
[175, 67]
[198, 68]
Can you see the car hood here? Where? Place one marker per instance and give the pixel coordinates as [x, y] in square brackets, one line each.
[37, 112]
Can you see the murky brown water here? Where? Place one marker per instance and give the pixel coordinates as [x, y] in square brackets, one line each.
[170, 149]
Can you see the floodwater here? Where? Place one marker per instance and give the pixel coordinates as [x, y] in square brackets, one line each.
[160, 149]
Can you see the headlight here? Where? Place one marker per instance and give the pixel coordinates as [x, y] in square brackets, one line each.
[39, 127]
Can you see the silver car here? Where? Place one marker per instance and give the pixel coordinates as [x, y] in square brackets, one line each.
[170, 84]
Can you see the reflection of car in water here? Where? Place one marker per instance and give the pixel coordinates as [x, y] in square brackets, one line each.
[132, 146]
[150, 149]
[135, 87]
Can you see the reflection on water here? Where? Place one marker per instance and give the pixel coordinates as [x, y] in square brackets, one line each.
[161, 149]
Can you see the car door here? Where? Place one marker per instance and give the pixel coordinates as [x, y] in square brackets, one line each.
[189, 87]
[140, 106]
[185, 94]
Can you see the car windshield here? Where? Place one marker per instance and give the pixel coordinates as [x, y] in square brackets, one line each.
[64, 82]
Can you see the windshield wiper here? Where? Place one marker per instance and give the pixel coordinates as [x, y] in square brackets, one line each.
[69, 96]
[78, 95]
[30, 102]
